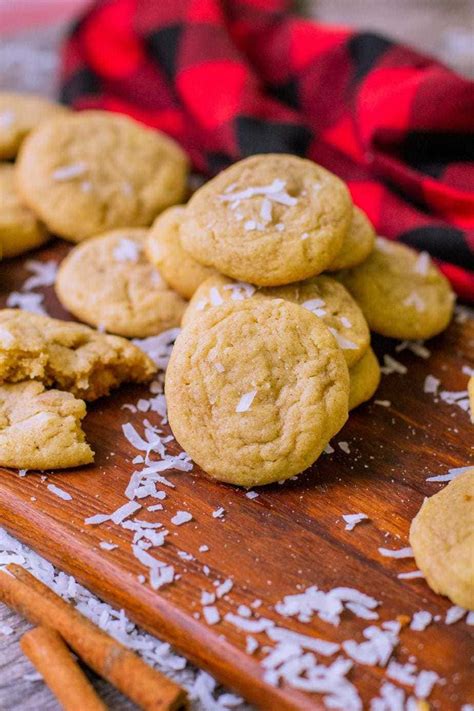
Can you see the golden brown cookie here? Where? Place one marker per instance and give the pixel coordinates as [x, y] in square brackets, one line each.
[325, 297]
[67, 355]
[41, 429]
[94, 171]
[442, 538]
[270, 220]
[365, 378]
[20, 114]
[107, 282]
[358, 242]
[401, 293]
[165, 251]
[19, 228]
[255, 390]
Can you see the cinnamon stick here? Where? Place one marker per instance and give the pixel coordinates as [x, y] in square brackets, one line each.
[49, 654]
[147, 687]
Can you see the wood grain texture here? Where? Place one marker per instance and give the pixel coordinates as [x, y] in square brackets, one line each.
[288, 538]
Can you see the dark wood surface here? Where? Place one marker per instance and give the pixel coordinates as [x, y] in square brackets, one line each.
[288, 538]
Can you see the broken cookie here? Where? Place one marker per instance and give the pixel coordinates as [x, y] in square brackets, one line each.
[67, 355]
[41, 429]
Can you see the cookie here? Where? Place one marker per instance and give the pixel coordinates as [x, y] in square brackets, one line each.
[165, 251]
[67, 355]
[20, 114]
[270, 219]
[41, 429]
[94, 171]
[107, 282]
[324, 296]
[364, 379]
[442, 538]
[401, 293]
[255, 390]
[19, 228]
[358, 242]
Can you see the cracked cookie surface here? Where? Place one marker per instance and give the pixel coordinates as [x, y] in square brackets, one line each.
[321, 295]
[442, 538]
[269, 219]
[94, 171]
[41, 429]
[164, 249]
[358, 242]
[107, 282]
[19, 228]
[401, 292]
[67, 355]
[255, 390]
[20, 114]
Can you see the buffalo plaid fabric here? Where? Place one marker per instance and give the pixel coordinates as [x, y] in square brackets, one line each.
[229, 78]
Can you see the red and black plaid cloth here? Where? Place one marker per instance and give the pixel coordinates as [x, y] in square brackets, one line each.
[228, 78]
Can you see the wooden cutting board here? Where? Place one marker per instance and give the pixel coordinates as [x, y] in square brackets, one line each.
[286, 539]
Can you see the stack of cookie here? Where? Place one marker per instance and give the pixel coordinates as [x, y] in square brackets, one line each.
[285, 278]
[276, 277]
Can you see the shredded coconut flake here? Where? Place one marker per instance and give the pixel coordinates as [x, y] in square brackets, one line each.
[316, 306]
[127, 250]
[321, 646]
[251, 644]
[379, 645]
[411, 575]
[423, 263]
[431, 384]
[125, 511]
[246, 401]
[353, 519]
[211, 614]
[181, 517]
[342, 341]
[240, 290]
[96, 520]
[421, 620]
[459, 398]
[69, 172]
[224, 588]
[215, 297]
[398, 553]
[452, 474]
[246, 625]
[43, 274]
[60, 493]
[392, 366]
[416, 347]
[26, 302]
[159, 348]
[454, 614]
